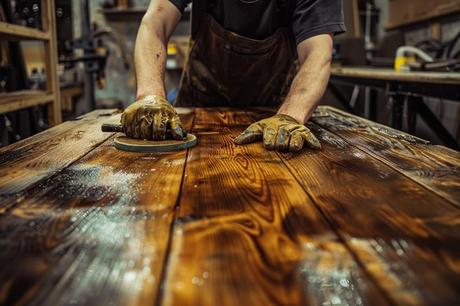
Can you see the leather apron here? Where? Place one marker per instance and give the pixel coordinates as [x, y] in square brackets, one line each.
[227, 69]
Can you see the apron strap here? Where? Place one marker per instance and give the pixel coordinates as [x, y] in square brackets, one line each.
[287, 8]
[199, 8]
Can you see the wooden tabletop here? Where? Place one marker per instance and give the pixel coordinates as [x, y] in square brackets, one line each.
[392, 75]
[373, 218]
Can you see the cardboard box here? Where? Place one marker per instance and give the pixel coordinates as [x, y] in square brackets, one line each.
[405, 12]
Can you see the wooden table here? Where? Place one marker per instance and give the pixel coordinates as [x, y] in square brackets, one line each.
[371, 219]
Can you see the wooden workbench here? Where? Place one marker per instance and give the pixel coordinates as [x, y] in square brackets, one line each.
[405, 90]
[371, 219]
[392, 75]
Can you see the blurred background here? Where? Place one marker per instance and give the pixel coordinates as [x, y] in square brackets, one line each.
[397, 64]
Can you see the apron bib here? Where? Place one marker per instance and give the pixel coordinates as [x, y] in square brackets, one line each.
[227, 69]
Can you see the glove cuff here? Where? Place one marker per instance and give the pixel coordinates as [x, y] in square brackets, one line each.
[286, 117]
[152, 99]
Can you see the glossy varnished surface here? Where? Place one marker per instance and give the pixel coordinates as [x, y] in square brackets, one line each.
[371, 219]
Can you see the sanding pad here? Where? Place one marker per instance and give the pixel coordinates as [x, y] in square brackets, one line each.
[150, 146]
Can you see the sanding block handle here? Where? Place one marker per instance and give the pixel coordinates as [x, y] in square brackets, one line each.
[117, 128]
[110, 127]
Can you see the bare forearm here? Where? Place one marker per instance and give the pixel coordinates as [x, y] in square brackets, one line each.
[150, 52]
[308, 86]
[150, 59]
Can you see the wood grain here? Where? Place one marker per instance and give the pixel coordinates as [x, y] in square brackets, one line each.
[94, 234]
[17, 100]
[39, 138]
[34, 159]
[434, 167]
[219, 118]
[246, 233]
[405, 235]
[371, 219]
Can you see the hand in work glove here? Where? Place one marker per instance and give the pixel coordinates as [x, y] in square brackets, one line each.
[151, 118]
[280, 132]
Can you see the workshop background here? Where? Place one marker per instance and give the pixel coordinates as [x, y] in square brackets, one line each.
[94, 42]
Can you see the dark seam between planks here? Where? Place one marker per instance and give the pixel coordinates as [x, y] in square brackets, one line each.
[340, 237]
[164, 271]
[57, 172]
[415, 180]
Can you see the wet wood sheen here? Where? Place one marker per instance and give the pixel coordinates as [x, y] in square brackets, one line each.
[371, 219]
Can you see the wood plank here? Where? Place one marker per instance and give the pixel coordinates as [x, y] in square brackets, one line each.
[434, 167]
[51, 61]
[67, 96]
[246, 233]
[22, 99]
[53, 132]
[406, 236]
[94, 234]
[11, 31]
[26, 163]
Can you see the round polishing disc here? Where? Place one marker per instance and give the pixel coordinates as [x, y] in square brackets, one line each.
[154, 146]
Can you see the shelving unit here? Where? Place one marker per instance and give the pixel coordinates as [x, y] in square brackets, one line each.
[23, 99]
[14, 32]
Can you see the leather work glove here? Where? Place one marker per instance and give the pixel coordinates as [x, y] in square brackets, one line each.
[152, 118]
[280, 132]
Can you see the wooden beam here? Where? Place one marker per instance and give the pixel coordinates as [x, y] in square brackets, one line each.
[356, 21]
[436, 31]
[22, 99]
[15, 32]
[51, 62]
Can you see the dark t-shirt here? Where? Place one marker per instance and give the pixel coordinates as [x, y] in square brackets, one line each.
[259, 19]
